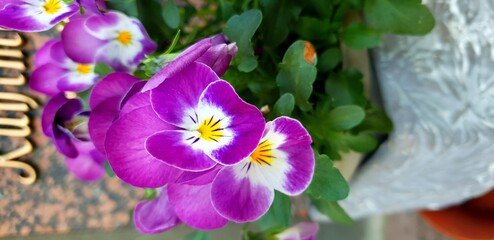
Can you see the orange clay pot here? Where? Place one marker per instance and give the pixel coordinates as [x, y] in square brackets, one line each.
[472, 220]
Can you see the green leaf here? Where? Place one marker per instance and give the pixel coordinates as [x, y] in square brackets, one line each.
[297, 74]
[150, 15]
[68, 1]
[198, 235]
[174, 42]
[284, 106]
[345, 117]
[278, 215]
[333, 210]
[329, 59]
[324, 8]
[150, 193]
[377, 121]
[240, 29]
[226, 9]
[280, 15]
[399, 16]
[102, 69]
[361, 142]
[310, 28]
[109, 170]
[346, 88]
[327, 183]
[359, 36]
[152, 64]
[126, 6]
[84, 96]
[171, 14]
[359, 4]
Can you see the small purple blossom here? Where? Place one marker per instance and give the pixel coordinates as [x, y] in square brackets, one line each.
[189, 202]
[214, 51]
[156, 215]
[65, 122]
[34, 15]
[55, 72]
[301, 231]
[93, 6]
[112, 38]
[282, 161]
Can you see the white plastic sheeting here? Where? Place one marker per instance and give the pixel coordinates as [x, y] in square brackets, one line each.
[439, 92]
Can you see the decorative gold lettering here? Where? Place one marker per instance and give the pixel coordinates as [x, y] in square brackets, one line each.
[15, 102]
[16, 41]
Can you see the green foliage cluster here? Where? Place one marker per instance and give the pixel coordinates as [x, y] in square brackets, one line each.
[277, 68]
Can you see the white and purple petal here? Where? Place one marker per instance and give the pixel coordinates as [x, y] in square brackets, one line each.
[193, 206]
[156, 215]
[34, 15]
[238, 199]
[169, 146]
[292, 168]
[181, 92]
[283, 160]
[75, 81]
[242, 126]
[59, 73]
[301, 231]
[78, 44]
[112, 38]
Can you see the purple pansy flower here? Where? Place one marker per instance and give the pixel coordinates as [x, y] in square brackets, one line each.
[55, 72]
[212, 124]
[65, 122]
[201, 121]
[214, 51]
[301, 231]
[282, 161]
[112, 38]
[34, 15]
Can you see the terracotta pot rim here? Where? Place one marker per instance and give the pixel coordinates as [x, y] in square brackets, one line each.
[467, 221]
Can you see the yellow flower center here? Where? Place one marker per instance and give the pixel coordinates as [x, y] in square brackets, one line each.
[210, 129]
[84, 68]
[262, 154]
[52, 6]
[124, 38]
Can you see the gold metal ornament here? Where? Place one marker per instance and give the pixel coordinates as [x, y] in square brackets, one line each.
[13, 58]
